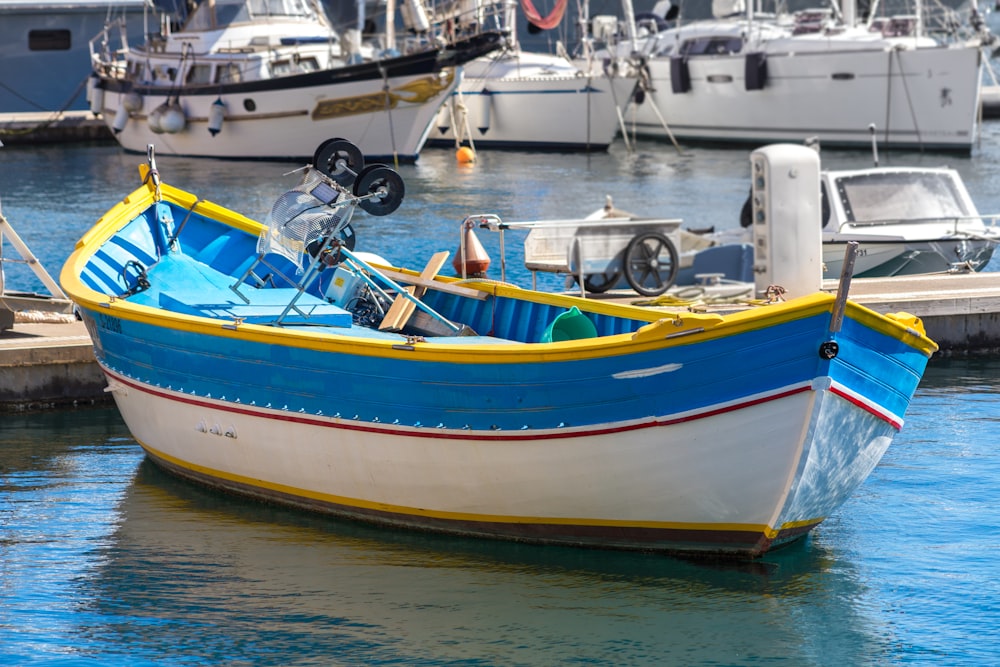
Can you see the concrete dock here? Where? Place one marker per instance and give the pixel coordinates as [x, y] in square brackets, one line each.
[48, 365]
[52, 127]
[961, 312]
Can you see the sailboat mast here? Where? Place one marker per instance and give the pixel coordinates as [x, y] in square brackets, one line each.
[629, 12]
[390, 24]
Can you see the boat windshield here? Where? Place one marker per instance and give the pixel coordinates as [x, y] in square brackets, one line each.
[223, 13]
[712, 45]
[900, 195]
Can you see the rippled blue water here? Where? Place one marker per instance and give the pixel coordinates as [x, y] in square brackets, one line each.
[106, 560]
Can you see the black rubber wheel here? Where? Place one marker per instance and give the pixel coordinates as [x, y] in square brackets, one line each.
[650, 263]
[598, 283]
[340, 160]
[386, 186]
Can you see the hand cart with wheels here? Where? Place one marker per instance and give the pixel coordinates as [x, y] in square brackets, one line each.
[598, 253]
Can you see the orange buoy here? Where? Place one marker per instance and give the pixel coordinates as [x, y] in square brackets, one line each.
[465, 155]
[477, 261]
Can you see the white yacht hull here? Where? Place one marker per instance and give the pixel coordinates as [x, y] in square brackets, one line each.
[533, 104]
[931, 103]
[288, 123]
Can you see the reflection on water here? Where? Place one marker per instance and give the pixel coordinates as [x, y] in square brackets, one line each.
[205, 577]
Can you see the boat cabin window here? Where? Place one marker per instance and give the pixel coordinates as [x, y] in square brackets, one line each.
[711, 46]
[223, 13]
[895, 26]
[900, 195]
[228, 73]
[286, 67]
[308, 65]
[137, 71]
[199, 74]
[164, 72]
[49, 40]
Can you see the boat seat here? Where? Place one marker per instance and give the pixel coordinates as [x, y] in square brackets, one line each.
[265, 307]
[173, 282]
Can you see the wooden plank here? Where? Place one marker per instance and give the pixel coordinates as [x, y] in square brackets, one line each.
[450, 288]
[402, 308]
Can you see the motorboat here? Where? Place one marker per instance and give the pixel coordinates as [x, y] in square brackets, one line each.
[749, 77]
[906, 221]
[267, 78]
[279, 361]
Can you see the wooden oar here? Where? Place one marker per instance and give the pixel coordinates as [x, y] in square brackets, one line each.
[402, 308]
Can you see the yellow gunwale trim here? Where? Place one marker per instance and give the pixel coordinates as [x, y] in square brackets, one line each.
[756, 529]
[655, 335]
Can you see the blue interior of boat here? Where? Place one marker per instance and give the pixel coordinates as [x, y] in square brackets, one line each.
[190, 268]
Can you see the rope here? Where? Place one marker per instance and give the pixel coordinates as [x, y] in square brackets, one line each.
[56, 115]
[173, 239]
[694, 296]
[909, 101]
[388, 111]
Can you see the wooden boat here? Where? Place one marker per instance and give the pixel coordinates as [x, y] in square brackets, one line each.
[264, 79]
[274, 360]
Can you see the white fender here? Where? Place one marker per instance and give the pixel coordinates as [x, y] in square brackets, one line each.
[132, 102]
[155, 119]
[173, 119]
[486, 103]
[121, 119]
[95, 95]
[216, 115]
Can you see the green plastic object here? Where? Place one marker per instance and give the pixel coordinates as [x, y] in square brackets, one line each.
[569, 325]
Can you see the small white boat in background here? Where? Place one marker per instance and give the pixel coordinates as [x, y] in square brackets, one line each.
[612, 249]
[271, 79]
[906, 220]
[535, 101]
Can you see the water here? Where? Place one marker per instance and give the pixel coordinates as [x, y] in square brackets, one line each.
[105, 560]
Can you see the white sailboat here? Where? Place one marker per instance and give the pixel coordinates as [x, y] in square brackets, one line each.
[517, 99]
[747, 77]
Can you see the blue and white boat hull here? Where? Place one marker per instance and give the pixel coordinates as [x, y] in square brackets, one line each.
[648, 429]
